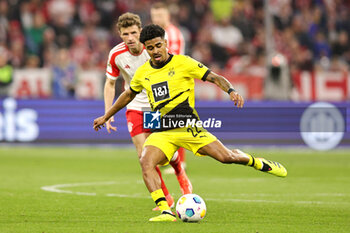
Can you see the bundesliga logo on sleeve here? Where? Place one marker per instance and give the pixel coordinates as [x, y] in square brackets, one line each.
[151, 120]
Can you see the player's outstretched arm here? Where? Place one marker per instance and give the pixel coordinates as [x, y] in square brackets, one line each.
[226, 86]
[126, 97]
[108, 94]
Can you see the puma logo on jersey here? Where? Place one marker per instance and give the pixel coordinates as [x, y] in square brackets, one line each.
[126, 66]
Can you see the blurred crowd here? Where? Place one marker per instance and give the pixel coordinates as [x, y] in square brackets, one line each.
[67, 35]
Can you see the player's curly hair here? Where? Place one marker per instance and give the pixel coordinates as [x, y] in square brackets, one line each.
[127, 20]
[150, 32]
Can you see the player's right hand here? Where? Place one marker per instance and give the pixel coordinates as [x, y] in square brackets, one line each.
[237, 99]
[99, 122]
[109, 125]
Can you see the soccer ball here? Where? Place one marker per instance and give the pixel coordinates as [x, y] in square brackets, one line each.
[191, 208]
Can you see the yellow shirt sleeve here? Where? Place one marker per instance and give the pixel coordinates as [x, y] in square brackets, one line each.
[136, 82]
[196, 69]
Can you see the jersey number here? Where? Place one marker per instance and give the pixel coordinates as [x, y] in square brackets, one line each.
[194, 132]
[160, 91]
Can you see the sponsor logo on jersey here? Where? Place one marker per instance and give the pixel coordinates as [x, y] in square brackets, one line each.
[160, 91]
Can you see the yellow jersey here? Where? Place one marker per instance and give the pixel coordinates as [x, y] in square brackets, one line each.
[170, 88]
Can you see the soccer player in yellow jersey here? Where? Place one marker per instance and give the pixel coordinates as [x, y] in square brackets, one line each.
[169, 83]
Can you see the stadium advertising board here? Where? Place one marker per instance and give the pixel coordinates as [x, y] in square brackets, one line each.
[258, 123]
[309, 86]
[37, 83]
[322, 86]
[31, 83]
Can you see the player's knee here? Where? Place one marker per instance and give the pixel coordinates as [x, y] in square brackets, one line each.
[139, 151]
[146, 163]
[139, 154]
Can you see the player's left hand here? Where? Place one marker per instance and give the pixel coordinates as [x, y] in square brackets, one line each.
[99, 123]
[109, 125]
[237, 99]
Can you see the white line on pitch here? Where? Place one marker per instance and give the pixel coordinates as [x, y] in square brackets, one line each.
[58, 189]
[272, 201]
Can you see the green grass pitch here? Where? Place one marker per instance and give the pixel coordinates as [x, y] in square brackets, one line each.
[101, 190]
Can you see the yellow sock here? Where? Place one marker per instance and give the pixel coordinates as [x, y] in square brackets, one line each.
[253, 162]
[159, 198]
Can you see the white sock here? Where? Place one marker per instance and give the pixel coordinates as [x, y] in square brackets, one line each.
[174, 158]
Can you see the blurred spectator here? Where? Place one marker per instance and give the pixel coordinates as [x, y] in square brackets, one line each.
[342, 45]
[63, 32]
[48, 47]
[337, 64]
[208, 52]
[6, 72]
[17, 53]
[317, 22]
[223, 34]
[202, 52]
[226, 35]
[221, 8]
[64, 75]
[243, 19]
[86, 11]
[249, 62]
[81, 51]
[48, 57]
[4, 21]
[15, 32]
[283, 15]
[60, 11]
[61, 15]
[85, 50]
[85, 26]
[27, 11]
[321, 46]
[300, 31]
[35, 34]
[26, 16]
[16, 44]
[106, 8]
[100, 54]
[160, 15]
[32, 62]
[302, 60]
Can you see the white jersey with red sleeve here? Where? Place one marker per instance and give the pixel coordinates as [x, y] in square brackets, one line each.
[176, 42]
[121, 61]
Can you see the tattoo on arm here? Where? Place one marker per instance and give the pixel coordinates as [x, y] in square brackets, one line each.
[219, 80]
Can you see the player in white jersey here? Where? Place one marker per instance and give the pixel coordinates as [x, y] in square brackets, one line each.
[124, 59]
[161, 16]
